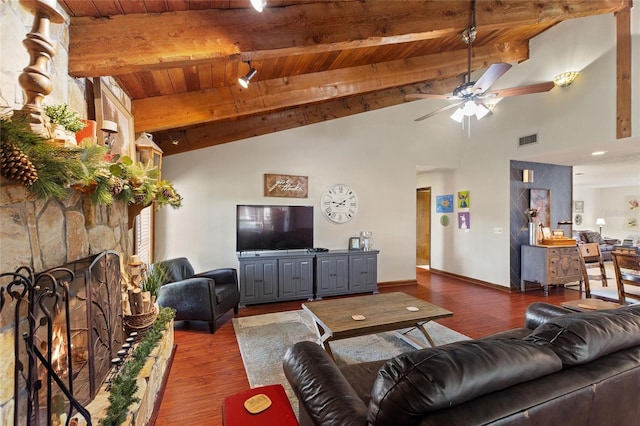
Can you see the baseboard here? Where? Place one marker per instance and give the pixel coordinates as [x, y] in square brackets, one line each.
[397, 283]
[475, 281]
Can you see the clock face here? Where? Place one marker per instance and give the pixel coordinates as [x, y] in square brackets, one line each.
[339, 203]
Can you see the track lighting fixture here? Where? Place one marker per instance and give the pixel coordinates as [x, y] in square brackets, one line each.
[259, 5]
[245, 80]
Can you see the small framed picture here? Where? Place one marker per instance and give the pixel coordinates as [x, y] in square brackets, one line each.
[578, 206]
[354, 243]
[546, 232]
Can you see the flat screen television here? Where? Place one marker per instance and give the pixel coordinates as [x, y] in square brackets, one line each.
[273, 227]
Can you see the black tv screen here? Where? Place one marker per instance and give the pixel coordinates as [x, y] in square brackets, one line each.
[274, 227]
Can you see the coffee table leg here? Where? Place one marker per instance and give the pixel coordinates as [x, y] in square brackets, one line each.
[324, 339]
[416, 343]
[425, 334]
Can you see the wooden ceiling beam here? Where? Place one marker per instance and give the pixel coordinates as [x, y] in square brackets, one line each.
[623, 74]
[135, 42]
[217, 104]
[233, 130]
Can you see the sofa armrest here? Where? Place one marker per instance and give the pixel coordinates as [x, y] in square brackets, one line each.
[611, 241]
[193, 298]
[539, 313]
[221, 275]
[322, 390]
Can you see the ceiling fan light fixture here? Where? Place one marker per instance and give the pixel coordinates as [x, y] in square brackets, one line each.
[259, 5]
[481, 111]
[246, 79]
[458, 115]
[565, 79]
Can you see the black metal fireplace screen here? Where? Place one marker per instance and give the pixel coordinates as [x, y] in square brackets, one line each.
[67, 329]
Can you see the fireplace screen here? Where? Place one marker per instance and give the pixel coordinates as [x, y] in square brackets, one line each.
[69, 320]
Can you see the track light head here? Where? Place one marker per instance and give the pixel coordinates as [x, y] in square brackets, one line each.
[246, 79]
[259, 5]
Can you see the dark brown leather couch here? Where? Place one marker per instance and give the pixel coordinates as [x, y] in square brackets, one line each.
[562, 368]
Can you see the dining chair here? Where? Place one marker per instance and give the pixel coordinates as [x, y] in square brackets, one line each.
[627, 269]
[591, 258]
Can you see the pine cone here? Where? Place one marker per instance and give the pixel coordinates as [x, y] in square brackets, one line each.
[15, 165]
[117, 185]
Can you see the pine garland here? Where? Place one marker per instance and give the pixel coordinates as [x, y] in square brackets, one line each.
[124, 385]
[51, 171]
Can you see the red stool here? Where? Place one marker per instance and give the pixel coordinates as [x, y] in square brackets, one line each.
[278, 414]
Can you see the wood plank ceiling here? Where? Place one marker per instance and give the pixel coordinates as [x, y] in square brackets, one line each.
[179, 60]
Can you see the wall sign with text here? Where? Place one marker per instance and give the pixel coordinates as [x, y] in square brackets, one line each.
[286, 186]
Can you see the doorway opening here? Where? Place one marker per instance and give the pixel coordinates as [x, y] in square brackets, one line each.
[423, 227]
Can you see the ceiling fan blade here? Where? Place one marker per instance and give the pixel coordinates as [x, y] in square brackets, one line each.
[521, 90]
[439, 110]
[428, 96]
[490, 76]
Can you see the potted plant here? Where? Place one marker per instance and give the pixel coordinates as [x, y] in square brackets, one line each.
[155, 277]
[65, 122]
[64, 116]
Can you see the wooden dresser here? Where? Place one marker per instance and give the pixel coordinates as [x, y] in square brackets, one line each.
[548, 265]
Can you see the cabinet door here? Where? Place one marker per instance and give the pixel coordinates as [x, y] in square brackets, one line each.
[269, 287]
[250, 281]
[371, 272]
[305, 277]
[287, 278]
[357, 273]
[341, 274]
[325, 275]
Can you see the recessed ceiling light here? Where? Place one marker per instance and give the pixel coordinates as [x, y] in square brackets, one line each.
[598, 152]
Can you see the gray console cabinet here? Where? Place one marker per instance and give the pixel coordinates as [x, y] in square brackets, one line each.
[346, 272]
[275, 276]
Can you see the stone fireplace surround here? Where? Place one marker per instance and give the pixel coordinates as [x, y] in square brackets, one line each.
[45, 234]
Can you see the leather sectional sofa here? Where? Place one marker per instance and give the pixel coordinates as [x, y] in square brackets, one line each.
[562, 368]
[607, 245]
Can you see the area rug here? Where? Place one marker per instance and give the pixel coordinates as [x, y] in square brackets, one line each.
[264, 339]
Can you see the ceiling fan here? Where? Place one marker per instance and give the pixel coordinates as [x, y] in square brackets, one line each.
[472, 95]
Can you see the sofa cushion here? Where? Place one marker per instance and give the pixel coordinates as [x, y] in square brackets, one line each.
[592, 237]
[415, 383]
[583, 337]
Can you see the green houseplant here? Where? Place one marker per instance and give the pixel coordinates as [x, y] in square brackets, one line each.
[155, 277]
[65, 117]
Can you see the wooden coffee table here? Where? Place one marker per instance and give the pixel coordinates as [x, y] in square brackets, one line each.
[382, 312]
[586, 305]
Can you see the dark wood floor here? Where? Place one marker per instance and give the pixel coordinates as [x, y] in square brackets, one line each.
[208, 367]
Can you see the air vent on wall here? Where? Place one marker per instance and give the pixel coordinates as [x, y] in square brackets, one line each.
[528, 140]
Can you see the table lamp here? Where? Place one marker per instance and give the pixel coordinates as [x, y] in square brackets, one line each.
[600, 222]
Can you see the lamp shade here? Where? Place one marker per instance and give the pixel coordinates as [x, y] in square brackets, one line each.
[600, 221]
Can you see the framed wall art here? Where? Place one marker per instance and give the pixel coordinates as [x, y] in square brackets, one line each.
[112, 114]
[463, 200]
[541, 199]
[444, 203]
[578, 206]
[285, 186]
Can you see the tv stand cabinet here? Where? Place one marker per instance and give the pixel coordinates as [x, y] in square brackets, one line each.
[278, 276]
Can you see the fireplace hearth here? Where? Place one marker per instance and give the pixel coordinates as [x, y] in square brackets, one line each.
[68, 328]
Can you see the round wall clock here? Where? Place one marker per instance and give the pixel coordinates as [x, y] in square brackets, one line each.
[339, 203]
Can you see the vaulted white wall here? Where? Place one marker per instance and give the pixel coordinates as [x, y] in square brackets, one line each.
[378, 152]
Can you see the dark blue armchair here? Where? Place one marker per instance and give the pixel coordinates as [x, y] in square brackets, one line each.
[198, 297]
